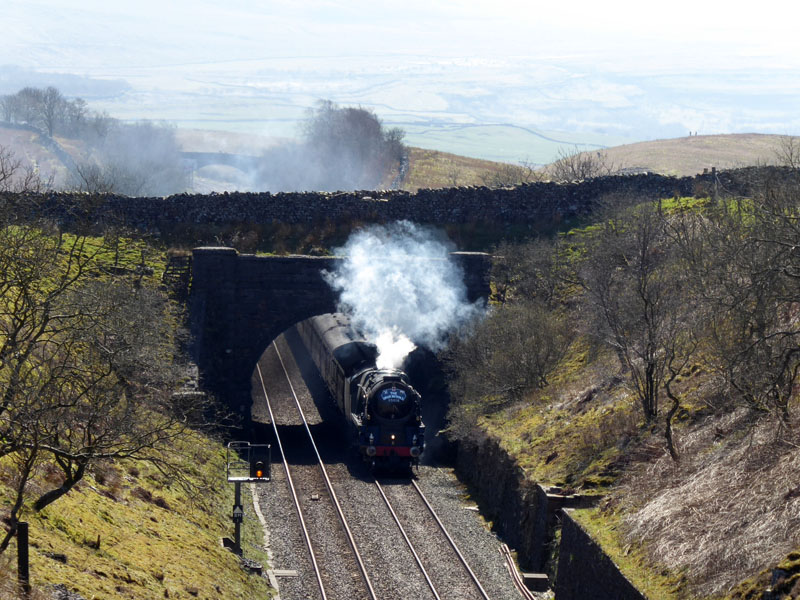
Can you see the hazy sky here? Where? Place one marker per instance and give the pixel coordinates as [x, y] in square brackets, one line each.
[617, 30]
[621, 70]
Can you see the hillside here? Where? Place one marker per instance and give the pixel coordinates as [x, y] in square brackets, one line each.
[434, 169]
[690, 155]
[32, 150]
[699, 496]
[130, 531]
[680, 157]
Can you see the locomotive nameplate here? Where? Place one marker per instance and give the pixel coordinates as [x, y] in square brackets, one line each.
[393, 395]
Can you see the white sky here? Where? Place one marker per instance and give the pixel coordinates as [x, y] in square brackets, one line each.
[617, 30]
[617, 67]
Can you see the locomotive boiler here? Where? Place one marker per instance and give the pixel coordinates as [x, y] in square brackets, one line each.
[381, 407]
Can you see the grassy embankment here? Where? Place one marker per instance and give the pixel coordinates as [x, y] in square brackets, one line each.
[584, 432]
[129, 530]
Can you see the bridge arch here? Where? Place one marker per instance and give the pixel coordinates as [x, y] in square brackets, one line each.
[239, 303]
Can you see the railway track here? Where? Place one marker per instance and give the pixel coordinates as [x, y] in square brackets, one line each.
[325, 580]
[442, 563]
[448, 591]
[396, 545]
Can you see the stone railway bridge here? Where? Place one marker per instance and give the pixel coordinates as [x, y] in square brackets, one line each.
[239, 303]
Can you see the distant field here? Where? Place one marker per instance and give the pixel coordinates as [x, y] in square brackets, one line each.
[502, 143]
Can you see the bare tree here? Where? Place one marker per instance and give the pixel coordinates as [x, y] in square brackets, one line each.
[788, 151]
[52, 109]
[9, 166]
[350, 146]
[86, 362]
[18, 179]
[635, 292]
[453, 174]
[47, 109]
[510, 175]
[343, 148]
[576, 165]
[9, 106]
[29, 101]
[749, 275]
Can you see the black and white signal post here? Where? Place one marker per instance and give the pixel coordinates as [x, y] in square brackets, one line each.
[247, 463]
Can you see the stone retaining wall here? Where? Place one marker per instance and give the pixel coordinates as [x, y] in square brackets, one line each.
[516, 507]
[527, 515]
[585, 571]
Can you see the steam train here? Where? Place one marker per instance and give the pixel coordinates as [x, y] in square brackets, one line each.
[382, 409]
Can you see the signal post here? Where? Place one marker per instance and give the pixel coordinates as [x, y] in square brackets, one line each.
[248, 463]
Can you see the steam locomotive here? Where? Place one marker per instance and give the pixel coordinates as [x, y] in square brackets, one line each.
[382, 409]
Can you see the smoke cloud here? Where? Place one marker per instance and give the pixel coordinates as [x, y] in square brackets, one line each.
[402, 288]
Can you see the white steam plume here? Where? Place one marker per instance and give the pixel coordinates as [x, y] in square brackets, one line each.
[401, 287]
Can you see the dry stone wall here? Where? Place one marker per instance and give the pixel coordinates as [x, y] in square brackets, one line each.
[529, 203]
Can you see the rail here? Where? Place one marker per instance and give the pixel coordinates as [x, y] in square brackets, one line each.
[328, 483]
[293, 491]
[451, 541]
[408, 541]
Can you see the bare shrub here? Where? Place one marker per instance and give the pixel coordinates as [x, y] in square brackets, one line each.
[510, 353]
[9, 589]
[138, 159]
[787, 153]
[511, 175]
[575, 165]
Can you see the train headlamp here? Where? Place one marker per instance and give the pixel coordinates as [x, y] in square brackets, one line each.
[392, 437]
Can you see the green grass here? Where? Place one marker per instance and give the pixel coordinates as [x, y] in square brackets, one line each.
[559, 441]
[127, 530]
[156, 538]
[763, 585]
[632, 560]
[127, 254]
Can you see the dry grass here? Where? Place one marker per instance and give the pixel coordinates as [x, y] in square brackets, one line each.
[731, 507]
[434, 169]
[690, 155]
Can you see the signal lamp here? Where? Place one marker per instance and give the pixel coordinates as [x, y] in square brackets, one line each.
[257, 469]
